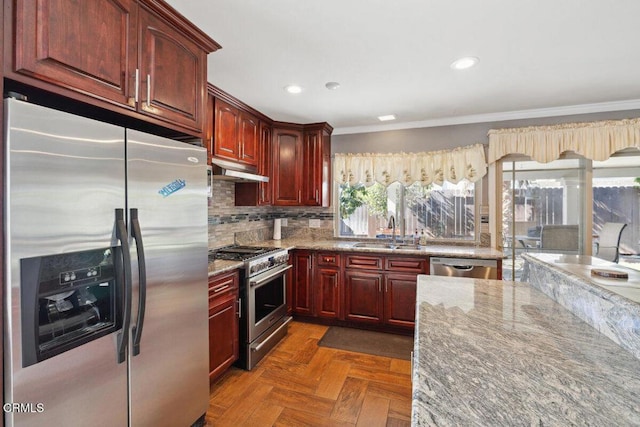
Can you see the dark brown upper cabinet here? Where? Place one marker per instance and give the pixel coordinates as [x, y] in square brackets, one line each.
[259, 193]
[236, 134]
[302, 165]
[139, 58]
[287, 166]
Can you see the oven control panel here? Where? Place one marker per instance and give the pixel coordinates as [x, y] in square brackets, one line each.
[268, 261]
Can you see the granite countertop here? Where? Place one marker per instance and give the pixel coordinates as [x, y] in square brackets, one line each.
[222, 266]
[579, 267]
[502, 353]
[217, 267]
[348, 246]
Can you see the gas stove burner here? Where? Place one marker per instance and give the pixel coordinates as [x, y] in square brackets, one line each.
[256, 259]
[250, 250]
[241, 253]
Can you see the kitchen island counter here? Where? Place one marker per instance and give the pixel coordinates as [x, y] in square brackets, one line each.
[502, 353]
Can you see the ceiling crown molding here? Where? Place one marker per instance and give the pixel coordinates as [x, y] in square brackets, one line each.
[632, 104]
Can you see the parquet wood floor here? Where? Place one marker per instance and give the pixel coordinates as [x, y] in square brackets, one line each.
[300, 384]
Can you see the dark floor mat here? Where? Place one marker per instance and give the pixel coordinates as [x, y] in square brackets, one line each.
[370, 342]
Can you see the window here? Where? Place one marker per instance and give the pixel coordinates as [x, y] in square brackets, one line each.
[572, 192]
[444, 211]
[616, 198]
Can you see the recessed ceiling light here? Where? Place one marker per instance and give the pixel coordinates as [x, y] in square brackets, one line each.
[293, 88]
[332, 85]
[464, 63]
[387, 117]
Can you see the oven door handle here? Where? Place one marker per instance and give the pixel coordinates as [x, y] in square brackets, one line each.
[265, 341]
[264, 280]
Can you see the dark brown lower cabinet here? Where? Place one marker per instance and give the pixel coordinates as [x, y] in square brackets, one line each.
[223, 323]
[303, 279]
[363, 296]
[328, 292]
[400, 299]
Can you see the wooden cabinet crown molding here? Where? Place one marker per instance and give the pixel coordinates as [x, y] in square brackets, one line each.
[119, 56]
[179, 22]
[218, 93]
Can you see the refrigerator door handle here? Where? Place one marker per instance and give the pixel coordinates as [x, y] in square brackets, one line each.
[123, 335]
[142, 272]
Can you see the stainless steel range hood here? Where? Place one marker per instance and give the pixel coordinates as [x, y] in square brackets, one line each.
[230, 171]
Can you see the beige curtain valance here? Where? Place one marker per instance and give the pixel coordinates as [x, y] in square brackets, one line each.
[594, 140]
[407, 168]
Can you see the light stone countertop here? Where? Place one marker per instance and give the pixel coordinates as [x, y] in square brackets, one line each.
[611, 306]
[348, 246]
[498, 353]
[222, 266]
[579, 267]
[217, 267]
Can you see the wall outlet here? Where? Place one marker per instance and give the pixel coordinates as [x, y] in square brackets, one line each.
[284, 222]
[314, 223]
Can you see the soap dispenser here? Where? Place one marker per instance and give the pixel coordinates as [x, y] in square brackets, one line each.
[423, 238]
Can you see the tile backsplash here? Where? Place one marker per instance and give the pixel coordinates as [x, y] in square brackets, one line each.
[229, 224]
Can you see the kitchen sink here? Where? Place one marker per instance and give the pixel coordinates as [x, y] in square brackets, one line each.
[383, 245]
[408, 246]
[374, 245]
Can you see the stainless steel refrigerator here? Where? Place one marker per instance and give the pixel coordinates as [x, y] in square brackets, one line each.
[106, 320]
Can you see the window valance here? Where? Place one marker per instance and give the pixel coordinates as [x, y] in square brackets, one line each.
[425, 167]
[592, 140]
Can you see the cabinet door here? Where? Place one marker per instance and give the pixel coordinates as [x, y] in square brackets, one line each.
[363, 296]
[249, 135]
[287, 152]
[225, 142]
[328, 292]
[265, 166]
[303, 279]
[173, 73]
[223, 335]
[311, 170]
[400, 299]
[86, 46]
[209, 126]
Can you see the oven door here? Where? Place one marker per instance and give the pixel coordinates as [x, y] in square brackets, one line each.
[266, 300]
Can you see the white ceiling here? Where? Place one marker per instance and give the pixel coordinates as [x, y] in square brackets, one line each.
[537, 58]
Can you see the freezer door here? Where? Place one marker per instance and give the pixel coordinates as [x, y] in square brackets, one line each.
[65, 178]
[167, 186]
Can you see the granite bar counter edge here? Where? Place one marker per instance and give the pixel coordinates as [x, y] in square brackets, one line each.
[609, 305]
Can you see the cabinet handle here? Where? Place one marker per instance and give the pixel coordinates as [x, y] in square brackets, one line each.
[261, 192]
[148, 90]
[299, 195]
[239, 312]
[317, 197]
[220, 289]
[386, 289]
[136, 98]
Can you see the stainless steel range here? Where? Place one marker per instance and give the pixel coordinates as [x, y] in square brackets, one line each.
[263, 319]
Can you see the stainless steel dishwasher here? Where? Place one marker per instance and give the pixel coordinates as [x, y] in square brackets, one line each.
[464, 267]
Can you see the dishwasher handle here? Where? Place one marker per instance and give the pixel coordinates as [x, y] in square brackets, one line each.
[460, 267]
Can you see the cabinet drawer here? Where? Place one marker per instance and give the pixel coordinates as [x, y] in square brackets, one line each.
[364, 262]
[328, 259]
[414, 265]
[222, 286]
[218, 301]
[222, 281]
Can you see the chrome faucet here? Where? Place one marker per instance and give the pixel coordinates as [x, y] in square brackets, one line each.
[392, 225]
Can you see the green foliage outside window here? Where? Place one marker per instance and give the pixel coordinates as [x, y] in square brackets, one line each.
[354, 196]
